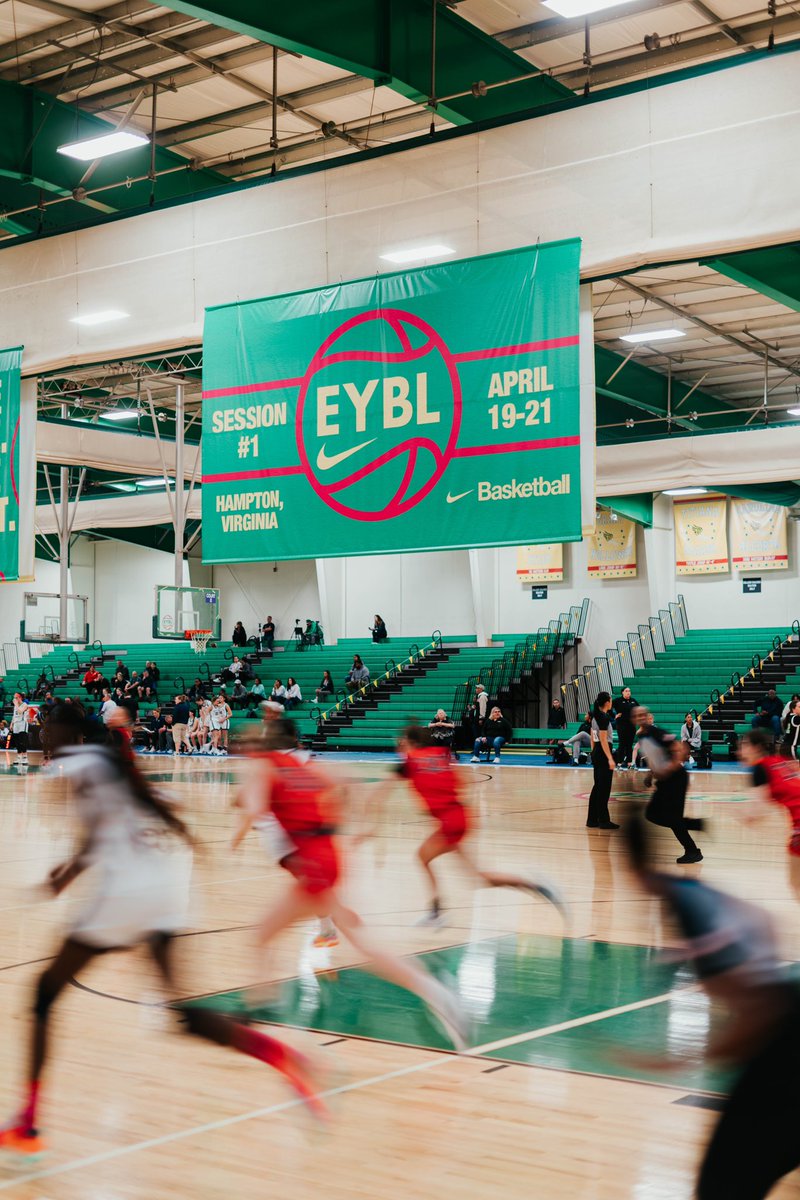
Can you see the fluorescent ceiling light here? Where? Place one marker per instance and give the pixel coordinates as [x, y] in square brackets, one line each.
[581, 8]
[99, 318]
[417, 253]
[151, 482]
[654, 335]
[688, 491]
[120, 414]
[123, 487]
[793, 412]
[88, 149]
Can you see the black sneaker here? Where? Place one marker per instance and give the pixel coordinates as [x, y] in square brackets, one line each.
[608, 825]
[691, 856]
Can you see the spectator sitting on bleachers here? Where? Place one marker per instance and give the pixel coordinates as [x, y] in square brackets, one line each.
[442, 729]
[257, 695]
[121, 669]
[154, 671]
[133, 684]
[556, 718]
[496, 732]
[767, 713]
[239, 695]
[47, 703]
[791, 738]
[278, 693]
[239, 635]
[788, 709]
[326, 687]
[358, 675]
[294, 697]
[234, 670]
[197, 691]
[92, 681]
[149, 729]
[148, 687]
[311, 635]
[582, 740]
[42, 684]
[378, 629]
[692, 734]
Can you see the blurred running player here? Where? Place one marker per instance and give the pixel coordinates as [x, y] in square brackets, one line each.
[666, 757]
[429, 769]
[776, 780]
[138, 852]
[733, 949]
[302, 799]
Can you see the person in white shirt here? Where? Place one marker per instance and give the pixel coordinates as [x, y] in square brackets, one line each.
[692, 735]
[19, 728]
[278, 693]
[107, 707]
[294, 696]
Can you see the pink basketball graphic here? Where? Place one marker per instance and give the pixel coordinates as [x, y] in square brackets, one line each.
[378, 414]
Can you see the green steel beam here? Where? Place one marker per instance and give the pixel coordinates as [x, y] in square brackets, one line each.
[33, 172]
[773, 271]
[390, 42]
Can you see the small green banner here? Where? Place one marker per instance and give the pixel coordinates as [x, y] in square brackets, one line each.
[10, 368]
[427, 409]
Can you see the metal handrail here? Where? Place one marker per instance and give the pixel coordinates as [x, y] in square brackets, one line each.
[361, 693]
[756, 666]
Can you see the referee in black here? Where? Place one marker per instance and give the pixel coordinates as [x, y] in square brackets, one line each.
[664, 754]
[602, 765]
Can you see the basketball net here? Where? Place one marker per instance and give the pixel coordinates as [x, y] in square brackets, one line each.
[199, 639]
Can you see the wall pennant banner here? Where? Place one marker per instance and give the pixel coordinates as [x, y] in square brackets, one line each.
[540, 564]
[10, 368]
[437, 408]
[612, 547]
[701, 536]
[758, 536]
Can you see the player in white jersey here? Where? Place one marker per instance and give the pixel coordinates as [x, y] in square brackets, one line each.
[220, 724]
[19, 728]
[138, 852]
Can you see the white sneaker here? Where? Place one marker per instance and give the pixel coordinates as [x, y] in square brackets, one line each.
[474, 758]
[431, 920]
[451, 1016]
[496, 762]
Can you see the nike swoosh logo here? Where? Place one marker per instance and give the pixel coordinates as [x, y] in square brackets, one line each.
[460, 496]
[326, 461]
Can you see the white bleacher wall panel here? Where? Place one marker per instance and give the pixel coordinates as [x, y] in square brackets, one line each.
[125, 579]
[250, 592]
[613, 172]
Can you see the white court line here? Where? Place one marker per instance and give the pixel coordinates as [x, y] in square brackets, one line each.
[429, 1065]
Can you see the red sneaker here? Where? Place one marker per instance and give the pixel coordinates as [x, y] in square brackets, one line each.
[21, 1141]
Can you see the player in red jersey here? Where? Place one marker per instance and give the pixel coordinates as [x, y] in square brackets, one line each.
[302, 799]
[776, 780]
[430, 771]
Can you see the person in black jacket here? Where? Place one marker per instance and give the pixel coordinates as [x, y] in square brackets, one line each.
[556, 718]
[378, 629]
[602, 764]
[626, 730]
[767, 713]
[239, 635]
[496, 732]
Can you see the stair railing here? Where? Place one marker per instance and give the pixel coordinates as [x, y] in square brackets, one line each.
[416, 654]
[755, 670]
[631, 655]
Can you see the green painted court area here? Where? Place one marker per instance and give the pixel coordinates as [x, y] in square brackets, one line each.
[517, 987]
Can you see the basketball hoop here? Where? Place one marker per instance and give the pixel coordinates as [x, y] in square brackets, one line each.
[199, 639]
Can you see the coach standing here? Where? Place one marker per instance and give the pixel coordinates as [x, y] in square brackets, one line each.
[626, 730]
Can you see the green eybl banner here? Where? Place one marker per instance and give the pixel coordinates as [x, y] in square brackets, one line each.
[427, 409]
[10, 367]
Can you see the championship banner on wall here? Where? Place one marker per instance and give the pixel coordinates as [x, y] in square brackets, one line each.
[758, 536]
[701, 536]
[612, 547]
[10, 366]
[540, 564]
[430, 409]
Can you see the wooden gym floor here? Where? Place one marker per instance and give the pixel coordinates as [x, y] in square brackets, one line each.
[548, 1103]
